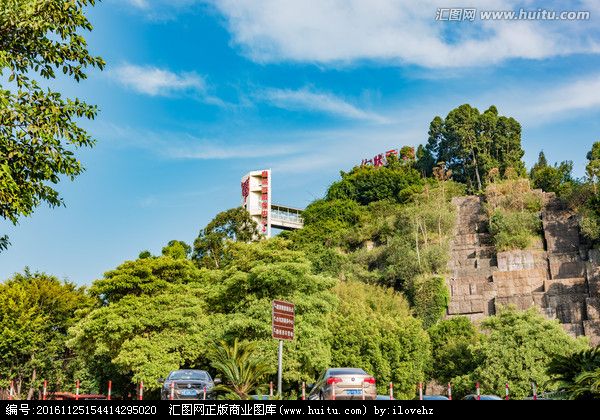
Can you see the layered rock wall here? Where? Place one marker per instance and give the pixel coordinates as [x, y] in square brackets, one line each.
[560, 274]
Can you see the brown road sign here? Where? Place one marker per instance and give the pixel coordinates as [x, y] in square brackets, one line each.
[283, 317]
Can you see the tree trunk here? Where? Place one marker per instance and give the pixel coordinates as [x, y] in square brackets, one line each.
[476, 170]
[417, 242]
[424, 230]
[31, 389]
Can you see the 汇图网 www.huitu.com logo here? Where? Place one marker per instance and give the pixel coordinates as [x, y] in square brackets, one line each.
[470, 14]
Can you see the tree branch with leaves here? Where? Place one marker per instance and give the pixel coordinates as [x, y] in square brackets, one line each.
[39, 129]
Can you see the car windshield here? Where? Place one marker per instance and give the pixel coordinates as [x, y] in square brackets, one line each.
[190, 375]
[346, 371]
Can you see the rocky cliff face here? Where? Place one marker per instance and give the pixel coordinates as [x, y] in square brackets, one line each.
[560, 274]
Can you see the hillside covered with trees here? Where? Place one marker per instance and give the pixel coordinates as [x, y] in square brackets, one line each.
[367, 275]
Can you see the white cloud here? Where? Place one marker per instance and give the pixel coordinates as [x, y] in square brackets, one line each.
[535, 105]
[211, 150]
[142, 4]
[182, 145]
[328, 151]
[576, 95]
[399, 32]
[307, 100]
[157, 82]
[160, 4]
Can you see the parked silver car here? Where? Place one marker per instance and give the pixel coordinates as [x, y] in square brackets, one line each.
[187, 384]
[344, 384]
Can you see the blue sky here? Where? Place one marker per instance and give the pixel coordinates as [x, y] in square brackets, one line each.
[197, 93]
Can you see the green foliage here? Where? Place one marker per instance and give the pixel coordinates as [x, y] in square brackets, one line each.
[242, 366]
[38, 127]
[326, 226]
[35, 312]
[4, 243]
[253, 276]
[345, 211]
[161, 314]
[513, 211]
[517, 349]
[230, 225]
[578, 374]
[145, 254]
[407, 154]
[425, 161]
[471, 144]
[585, 197]
[177, 249]
[592, 169]
[143, 337]
[146, 276]
[514, 230]
[372, 329]
[327, 222]
[366, 184]
[590, 221]
[551, 178]
[408, 240]
[429, 296]
[452, 341]
[578, 195]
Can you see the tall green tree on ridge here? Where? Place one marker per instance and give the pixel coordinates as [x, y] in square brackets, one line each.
[38, 127]
[472, 143]
[550, 178]
[230, 225]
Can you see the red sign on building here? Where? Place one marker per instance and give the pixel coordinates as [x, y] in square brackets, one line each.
[265, 201]
[283, 318]
[246, 189]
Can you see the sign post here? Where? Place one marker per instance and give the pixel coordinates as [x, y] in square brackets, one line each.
[283, 317]
[279, 367]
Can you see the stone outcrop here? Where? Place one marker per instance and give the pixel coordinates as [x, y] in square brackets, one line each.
[560, 275]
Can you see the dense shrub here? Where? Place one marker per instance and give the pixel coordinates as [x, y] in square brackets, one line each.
[366, 184]
[513, 213]
[514, 230]
[429, 296]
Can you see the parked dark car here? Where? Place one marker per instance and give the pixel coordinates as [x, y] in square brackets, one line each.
[188, 384]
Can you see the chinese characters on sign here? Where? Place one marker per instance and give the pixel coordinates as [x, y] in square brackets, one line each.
[264, 215]
[381, 159]
[283, 320]
[246, 189]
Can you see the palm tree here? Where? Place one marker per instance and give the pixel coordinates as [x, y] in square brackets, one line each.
[242, 367]
[587, 385]
[577, 374]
